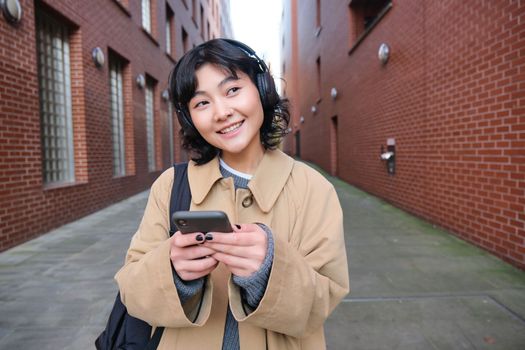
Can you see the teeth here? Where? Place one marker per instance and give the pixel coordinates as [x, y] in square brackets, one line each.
[231, 128]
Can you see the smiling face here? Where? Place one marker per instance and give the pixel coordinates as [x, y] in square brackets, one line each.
[228, 113]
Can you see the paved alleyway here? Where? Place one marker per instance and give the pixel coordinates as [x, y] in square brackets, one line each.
[56, 291]
[413, 286]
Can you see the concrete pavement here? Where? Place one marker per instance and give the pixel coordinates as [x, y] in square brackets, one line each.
[56, 291]
[413, 286]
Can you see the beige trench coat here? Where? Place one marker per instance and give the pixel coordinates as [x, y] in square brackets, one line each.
[308, 277]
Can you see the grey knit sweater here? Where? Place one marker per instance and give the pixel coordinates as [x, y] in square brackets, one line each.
[252, 287]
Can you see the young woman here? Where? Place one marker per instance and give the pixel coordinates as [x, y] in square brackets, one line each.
[273, 281]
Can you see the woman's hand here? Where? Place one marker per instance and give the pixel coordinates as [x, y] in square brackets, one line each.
[242, 251]
[190, 258]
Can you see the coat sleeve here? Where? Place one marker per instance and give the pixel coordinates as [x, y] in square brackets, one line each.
[146, 283]
[309, 275]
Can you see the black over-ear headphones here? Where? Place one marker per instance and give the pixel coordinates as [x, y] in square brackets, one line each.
[264, 82]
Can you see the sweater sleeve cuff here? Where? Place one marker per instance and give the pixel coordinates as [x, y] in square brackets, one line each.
[254, 286]
[187, 289]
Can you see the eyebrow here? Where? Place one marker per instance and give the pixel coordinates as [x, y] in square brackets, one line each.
[224, 81]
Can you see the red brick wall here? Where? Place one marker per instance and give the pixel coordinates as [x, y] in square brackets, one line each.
[28, 207]
[453, 97]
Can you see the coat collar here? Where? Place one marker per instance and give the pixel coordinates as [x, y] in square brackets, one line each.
[266, 184]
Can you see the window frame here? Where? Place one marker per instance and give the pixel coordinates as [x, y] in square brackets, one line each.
[117, 113]
[146, 15]
[55, 100]
[171, 134]
[149, 108]
[318, 25]
[362, 35]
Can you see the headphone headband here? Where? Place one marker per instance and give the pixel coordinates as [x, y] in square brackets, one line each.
[249, 52]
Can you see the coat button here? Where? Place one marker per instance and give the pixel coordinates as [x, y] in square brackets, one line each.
[246, 202]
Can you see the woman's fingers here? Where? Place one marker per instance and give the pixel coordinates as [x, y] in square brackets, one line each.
[197, 265]
[187, 239]
[248, 242]
[242, 251]
[238, 266]
[192, 269]
[189, 257]
[191, 253]
[247, 251]
[238, 238]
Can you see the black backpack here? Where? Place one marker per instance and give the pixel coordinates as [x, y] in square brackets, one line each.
[125, 332]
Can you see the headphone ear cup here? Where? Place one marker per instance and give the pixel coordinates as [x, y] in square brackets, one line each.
[184, 119]
[267, 91]
[261, 86]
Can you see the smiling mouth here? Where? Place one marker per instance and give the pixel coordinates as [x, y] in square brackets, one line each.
[231, 128]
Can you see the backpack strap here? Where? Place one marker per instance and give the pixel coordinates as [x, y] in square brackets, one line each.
[180, 193]
[180, 200]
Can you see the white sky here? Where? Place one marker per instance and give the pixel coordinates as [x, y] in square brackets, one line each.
[257, 23]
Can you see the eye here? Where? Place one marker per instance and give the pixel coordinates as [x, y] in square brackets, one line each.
[233, 90]
[200, 104]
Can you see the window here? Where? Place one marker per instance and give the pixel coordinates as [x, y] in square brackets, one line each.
[318, 72]
[168, 37]
[55, 99]
[333, 146]
[318, 14]
[150, 124]
[203, 27]
[364, 15]
[170, 131]
[146, 15]
[194, 11]
[185, 41]
[116, 94]
[170, 45]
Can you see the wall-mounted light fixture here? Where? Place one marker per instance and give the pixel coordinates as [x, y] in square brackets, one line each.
[166, 95]
[98, 57]
[12, 10]
[313, 109]
[383, 53]
[301, 120]
[333, 93]
[141, 81]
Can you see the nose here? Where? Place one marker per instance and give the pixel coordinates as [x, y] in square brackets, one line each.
[222, 110]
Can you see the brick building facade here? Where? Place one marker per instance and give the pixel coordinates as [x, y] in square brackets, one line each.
[451, 96]
[78, 134]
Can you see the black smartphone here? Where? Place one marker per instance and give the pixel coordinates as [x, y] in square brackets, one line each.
[201, 221]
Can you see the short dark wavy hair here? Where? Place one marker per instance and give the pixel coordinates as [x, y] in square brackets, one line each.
[230, 56]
